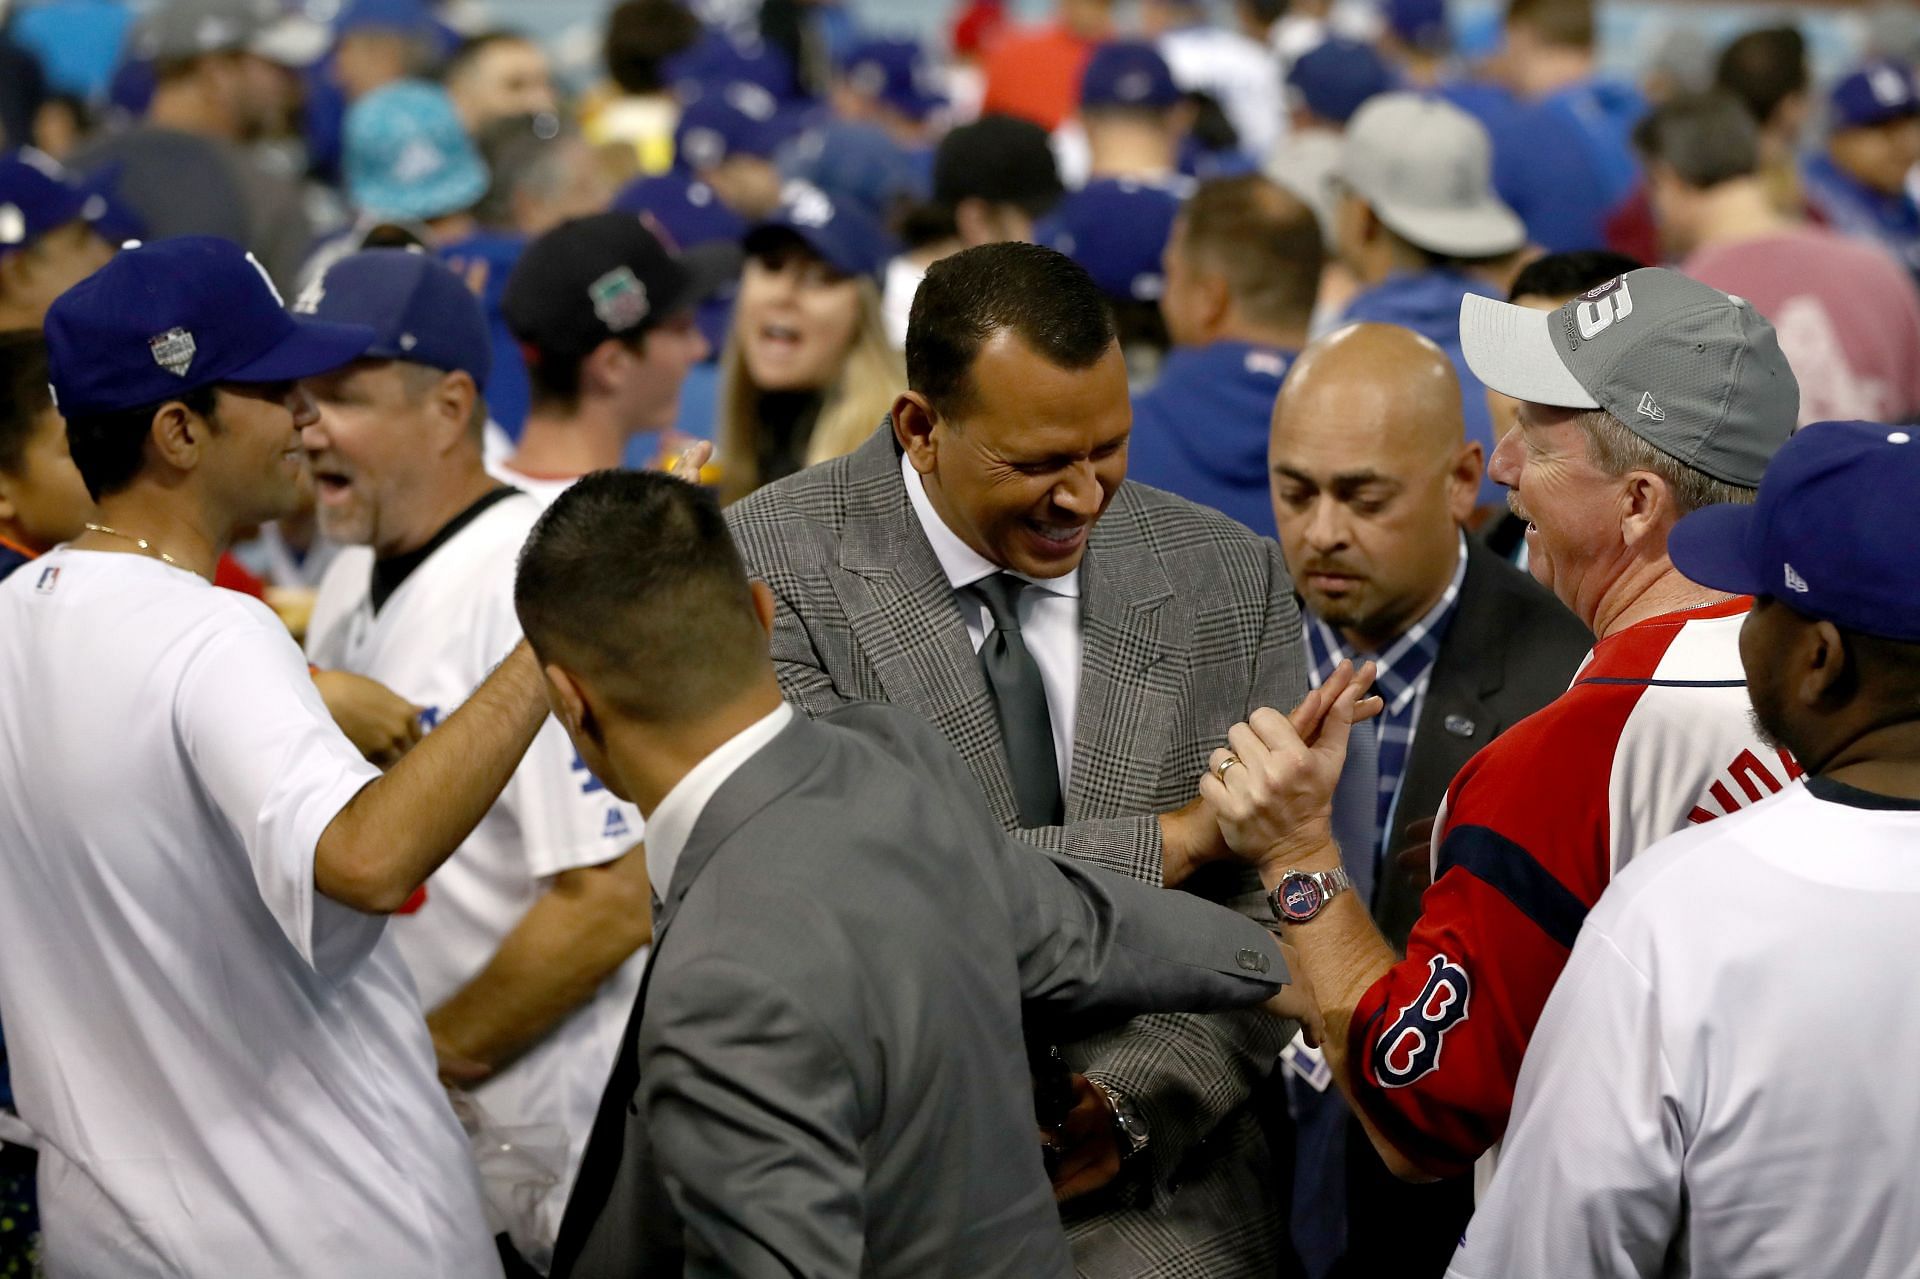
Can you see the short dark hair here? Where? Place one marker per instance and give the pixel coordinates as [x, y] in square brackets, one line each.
[1566, 275]
[523, 152]
[1562, 22]
[1045, 298]
[1705, 138]
[632, 581]
[110, 447]
[1763, 69]
[1265, 241]
[468, 50]
[23, 394]
[641, 36]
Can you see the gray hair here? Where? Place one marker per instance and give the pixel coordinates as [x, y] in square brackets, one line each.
[1616, 450]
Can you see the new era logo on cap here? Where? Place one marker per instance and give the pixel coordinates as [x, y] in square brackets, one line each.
[1649, 409]
[1795, 582]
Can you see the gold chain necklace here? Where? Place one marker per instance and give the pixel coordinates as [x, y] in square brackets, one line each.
[140, 542]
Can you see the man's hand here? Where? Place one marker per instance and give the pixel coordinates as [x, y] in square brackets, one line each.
[381, 724]
[1273, 783]
[1087, 1147]
[1189, 839]
[455, 1070]
[1297, 1001]
[690, 463]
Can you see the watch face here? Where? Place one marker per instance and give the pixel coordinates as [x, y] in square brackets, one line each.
[1300, 897]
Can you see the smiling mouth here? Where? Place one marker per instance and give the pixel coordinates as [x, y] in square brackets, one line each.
[1058, 536]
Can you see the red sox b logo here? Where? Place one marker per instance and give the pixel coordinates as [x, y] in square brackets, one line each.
[1410, 1048]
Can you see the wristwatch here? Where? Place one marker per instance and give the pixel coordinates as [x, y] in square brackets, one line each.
[1129, 1129]
[1304, 894]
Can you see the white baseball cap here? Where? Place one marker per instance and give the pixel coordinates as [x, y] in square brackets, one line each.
[1425, 167]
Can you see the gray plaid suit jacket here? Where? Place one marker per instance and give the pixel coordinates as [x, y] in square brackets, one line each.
[1188, 624]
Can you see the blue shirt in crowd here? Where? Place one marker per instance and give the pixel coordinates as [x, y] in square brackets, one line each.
[1853, 208]
[1564, 161]
[1428, 302]
[508, 392]
[1201, 430]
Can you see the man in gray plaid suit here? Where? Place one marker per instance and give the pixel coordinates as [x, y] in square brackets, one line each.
[1084, 643]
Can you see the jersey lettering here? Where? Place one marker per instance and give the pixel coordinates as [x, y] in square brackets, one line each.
[1755, 779]
[1410, 1048]
[588, 782]
[429, 718]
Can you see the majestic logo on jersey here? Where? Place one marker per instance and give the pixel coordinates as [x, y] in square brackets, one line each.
[616, 826]
[1410, 1048]
[1600, 309]
[49, 578]
[173, 350]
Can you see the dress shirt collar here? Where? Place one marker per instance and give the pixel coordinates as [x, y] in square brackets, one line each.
[669, 825]
[961, 563]
[1402, 664]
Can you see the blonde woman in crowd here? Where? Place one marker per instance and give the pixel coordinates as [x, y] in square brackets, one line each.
[808, 372]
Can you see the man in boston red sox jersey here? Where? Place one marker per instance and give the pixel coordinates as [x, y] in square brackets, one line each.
[528, 945]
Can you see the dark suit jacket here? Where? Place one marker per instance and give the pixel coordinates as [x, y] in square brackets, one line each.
[825, 1073]
[1188, 625]
[1511, 649]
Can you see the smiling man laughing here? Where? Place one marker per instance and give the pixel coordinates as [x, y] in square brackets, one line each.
[1083, 642]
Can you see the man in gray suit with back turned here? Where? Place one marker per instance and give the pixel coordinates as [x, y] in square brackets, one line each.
[824, 1073]
[1084, 644]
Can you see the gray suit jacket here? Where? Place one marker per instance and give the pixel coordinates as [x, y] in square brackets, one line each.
[828, 1076]
[1188, 624]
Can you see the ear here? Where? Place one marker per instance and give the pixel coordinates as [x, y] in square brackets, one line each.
[762, 604]
[1646, 508]
[179, 435]
[569, 702]
[1463, 482]
[1216, 297]
[9, 508]
[605, 365]
[914, 420]
[453, 401]
[1825, 666]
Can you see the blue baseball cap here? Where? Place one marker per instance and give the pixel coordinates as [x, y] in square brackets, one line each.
[36, 197]
[408, 158]
[839, 232]
[176, 315]
[860, 163]
[1874, 94]
[1117, 229]
[718, 59]
[1421, 24]
[1127, 73]
[1336, 77]
[418, 309]
[896, 73]
[687, 209]
[1830, 534]
[406, 17]
[736, 119]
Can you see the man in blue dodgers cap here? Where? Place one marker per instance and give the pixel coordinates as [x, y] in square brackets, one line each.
[1117, 229]
[890, 83]
[1858, 185]
[1132, 114]
[1674, 1055]
[211, 1032]
[49, 236]
[524, 949]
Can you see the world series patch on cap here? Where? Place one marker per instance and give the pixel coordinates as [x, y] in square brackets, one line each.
[175, 315]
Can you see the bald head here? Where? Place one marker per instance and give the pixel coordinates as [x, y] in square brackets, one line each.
[1372, 477]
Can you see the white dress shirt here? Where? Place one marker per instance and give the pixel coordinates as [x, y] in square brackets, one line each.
[673, 820]
[1049, 617]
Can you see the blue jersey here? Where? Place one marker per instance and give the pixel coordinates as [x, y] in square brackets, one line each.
[1563, 162]
[508, 392]
[1853, 208]
[1428, 302]
[1201, 430]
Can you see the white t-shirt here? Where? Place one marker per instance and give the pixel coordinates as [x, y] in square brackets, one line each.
[543, 487]
[433, 641]
[1240, 73]
[228, 1074]
[1720, 1083]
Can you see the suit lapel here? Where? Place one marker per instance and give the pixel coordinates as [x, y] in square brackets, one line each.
[905, 619]
[1127, 668]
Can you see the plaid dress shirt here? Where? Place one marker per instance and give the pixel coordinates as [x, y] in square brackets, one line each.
[1404, 669]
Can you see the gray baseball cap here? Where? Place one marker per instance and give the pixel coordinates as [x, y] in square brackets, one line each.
[1425, 167]
[1695, 372]
[179, 29]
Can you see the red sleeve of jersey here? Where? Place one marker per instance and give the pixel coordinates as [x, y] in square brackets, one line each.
[1435, 1044]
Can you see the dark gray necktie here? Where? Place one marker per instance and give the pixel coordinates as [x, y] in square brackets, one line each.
[1013, 677]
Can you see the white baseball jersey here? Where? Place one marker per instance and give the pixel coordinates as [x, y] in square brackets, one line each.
[542, 487]
[226, 1073]
[1720, 1084]
[433, 640]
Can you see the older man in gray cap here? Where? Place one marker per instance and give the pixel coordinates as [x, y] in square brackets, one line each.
[1642, 400]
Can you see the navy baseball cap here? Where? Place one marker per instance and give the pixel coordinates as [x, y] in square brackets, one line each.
[687, 209]
[1127, 73]
[896, 73]
[176, 315]
[737, 119]
[839, 232]
[1116, 229]
[36, 197]
[1421, 24]
[1874, 94]
[1830, 534]
[418, 309]
[860, 163]
[1336, 78]
[718, 59]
